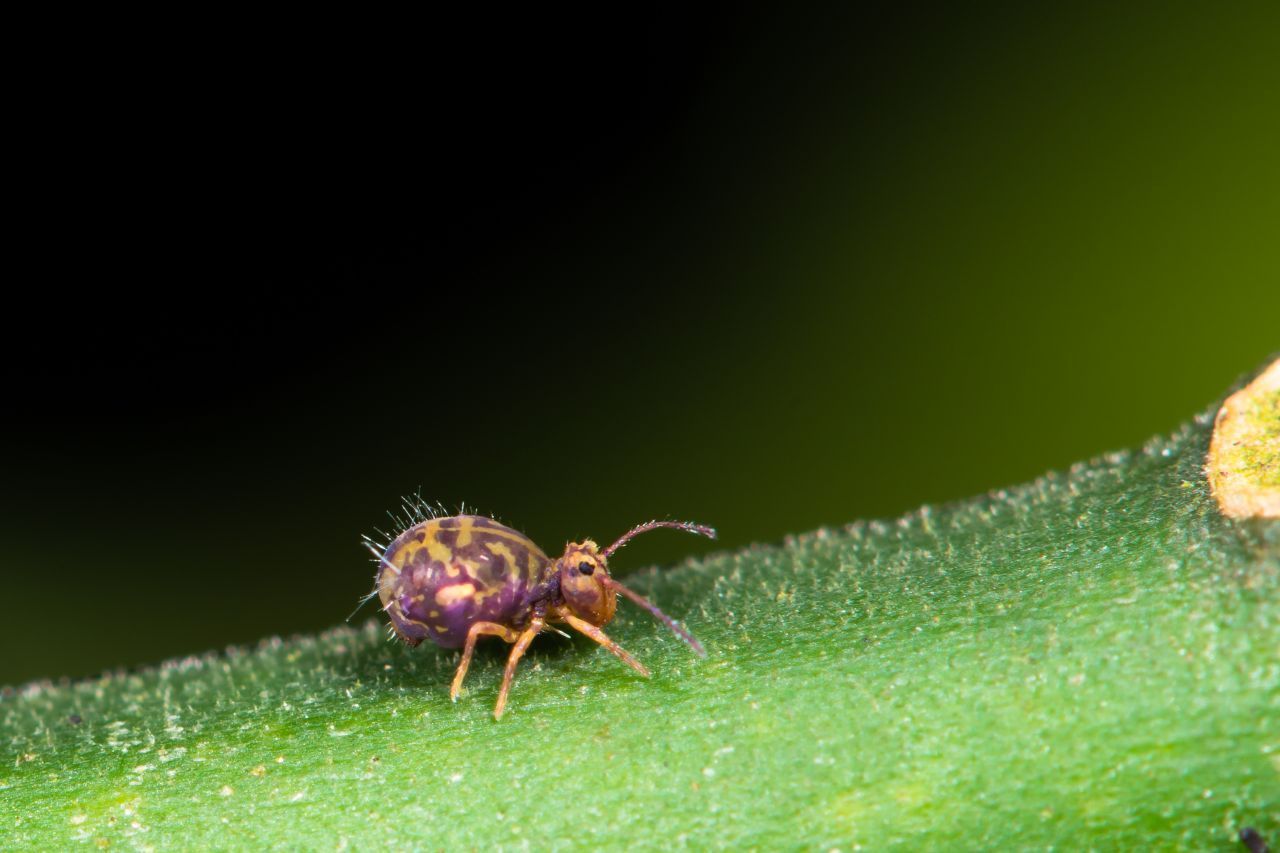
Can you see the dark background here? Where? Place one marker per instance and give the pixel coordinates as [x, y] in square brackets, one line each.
[760, 270]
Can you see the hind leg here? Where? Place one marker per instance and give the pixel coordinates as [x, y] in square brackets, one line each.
[477, 630]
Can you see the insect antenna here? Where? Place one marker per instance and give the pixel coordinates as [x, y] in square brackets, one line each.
[687, 526]
[660, 616]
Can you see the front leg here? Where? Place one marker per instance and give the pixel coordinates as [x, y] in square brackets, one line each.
[603, 639]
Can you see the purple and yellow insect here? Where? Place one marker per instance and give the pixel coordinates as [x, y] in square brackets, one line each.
[453, 580]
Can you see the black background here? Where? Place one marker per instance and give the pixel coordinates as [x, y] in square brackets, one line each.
[267, 276]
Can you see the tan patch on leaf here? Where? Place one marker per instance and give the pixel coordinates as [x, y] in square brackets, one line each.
[1244, 456]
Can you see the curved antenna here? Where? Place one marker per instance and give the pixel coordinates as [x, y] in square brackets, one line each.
[687, 526]
[660, 616]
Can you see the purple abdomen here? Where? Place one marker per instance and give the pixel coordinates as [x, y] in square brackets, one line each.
[443, 575]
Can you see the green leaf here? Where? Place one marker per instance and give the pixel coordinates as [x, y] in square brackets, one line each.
[1092, 659]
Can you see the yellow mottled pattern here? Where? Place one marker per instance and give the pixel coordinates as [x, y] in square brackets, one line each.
[464, 531]
[387, 583]
[454, 593]
[493, 578]
[511, 536]
[498, 549]
[490, 580]
[435, 548]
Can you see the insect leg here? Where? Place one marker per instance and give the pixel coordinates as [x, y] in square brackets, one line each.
[603, 639]
[517, 652]
[474, 634]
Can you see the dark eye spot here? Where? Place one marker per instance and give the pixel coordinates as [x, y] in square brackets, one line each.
[586, 568]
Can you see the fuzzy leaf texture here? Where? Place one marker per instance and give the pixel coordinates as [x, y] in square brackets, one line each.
[1092, 659]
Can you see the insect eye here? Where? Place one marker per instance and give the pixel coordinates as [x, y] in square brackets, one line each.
[586, 568]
